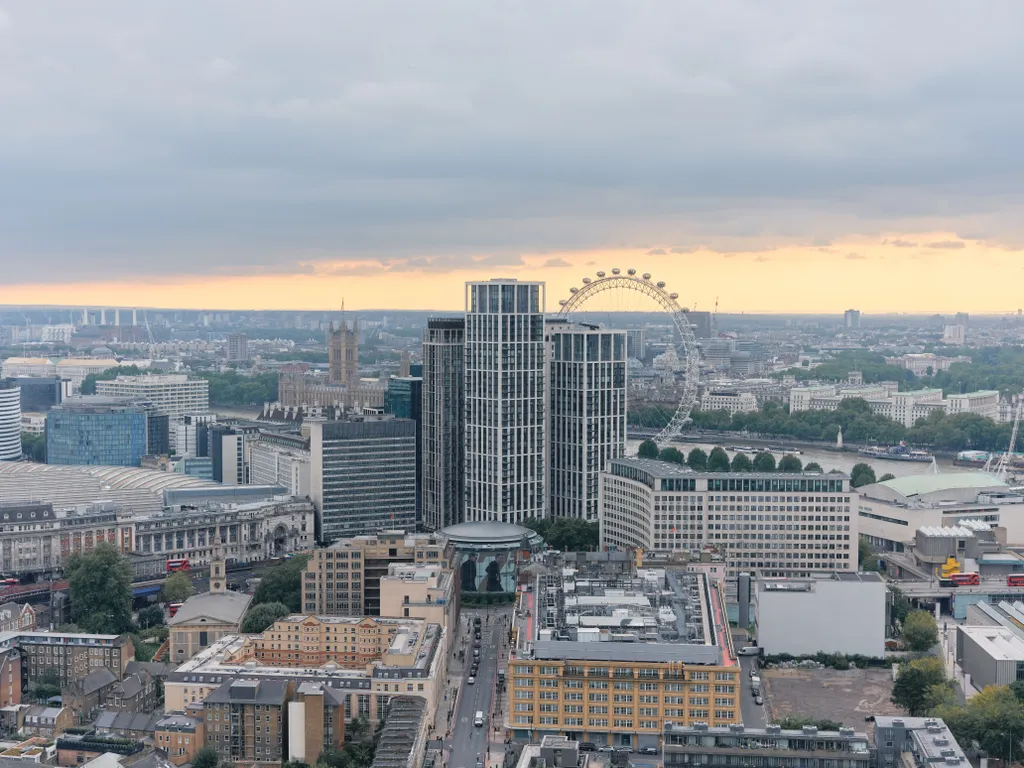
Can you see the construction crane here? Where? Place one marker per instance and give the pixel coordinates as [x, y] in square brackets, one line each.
[1003, 467]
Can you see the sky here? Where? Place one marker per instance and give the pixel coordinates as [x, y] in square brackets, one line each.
[796, 156]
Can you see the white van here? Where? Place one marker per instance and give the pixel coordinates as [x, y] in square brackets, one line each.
[750, 650]
[478, 720]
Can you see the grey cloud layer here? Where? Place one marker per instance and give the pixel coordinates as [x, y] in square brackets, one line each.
[187, 137]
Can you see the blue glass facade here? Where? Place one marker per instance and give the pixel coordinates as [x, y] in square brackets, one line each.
[105, 435]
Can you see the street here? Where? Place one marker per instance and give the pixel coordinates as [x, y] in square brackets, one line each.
[752, 714]
[469, 745]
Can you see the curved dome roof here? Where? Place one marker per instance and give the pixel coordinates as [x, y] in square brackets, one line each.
[488, 533]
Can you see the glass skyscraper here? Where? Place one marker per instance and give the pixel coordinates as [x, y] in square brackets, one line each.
[404, 399]
[96, 430]
[505, 401]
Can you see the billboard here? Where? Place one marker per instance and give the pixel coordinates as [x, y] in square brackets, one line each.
[487, 571]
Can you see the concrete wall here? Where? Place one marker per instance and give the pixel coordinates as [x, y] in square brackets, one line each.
[981, 666]
[834, 616]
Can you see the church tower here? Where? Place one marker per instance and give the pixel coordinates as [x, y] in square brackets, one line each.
[218, 577]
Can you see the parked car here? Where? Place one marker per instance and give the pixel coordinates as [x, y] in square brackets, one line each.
[471, 680]
[759, 700]
[606, 748]
[624, 750]
[647, 751]
[587, 746]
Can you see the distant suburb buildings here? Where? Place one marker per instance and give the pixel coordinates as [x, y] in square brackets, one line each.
[884, 400]
[778, 523]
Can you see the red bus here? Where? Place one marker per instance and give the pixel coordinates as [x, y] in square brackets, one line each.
[177, 565]
[173, 608]
[965, 579]
[1015, 580]
[9, 582]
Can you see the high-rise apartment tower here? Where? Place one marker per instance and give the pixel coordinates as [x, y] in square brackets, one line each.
[444, 423]
[586, 426]
[505, 401]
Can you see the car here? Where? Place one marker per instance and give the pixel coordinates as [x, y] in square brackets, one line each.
[758, 700]
[624, 750]
[471, 679]
[869, 719]
[476, 653]
[587, 746]
[647, 751]
[476, 643]
[606, 748]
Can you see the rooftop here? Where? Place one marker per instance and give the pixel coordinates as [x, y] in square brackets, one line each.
[918, 485]
[219, 607]
[998, 642]
[488, 533]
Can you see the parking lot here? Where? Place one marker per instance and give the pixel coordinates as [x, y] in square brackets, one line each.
[846, 696]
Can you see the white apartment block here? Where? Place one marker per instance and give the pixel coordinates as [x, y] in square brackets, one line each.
[733, 402]
[28, 366]
[778, 523]
[904, 407]
[186, 431]
[282, 460]
[505, 394]
[954, 334]
[172, 394]
[586, 413]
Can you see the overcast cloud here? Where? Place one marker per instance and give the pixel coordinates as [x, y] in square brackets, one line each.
[187, 137]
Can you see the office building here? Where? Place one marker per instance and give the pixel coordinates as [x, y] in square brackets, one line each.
[96, 430]
[158, 440]
[75, 369]
[404, 400]
[444, 422]
[586, 413]
[702, 324]
[28, 367]
[925, 363]
[10, 420]
[280, 459]
[172, 394]
[190, 434]
[612, 659]
[237, 348]
[70, 656]
[505, 445]
[419, 591]
[835, 613]
[733, 402]
[636, 343]
[39, 393]
[851, 318]
[736, 746]
[916, 742]
[344, 578]
[227, 453]
[343, 354]
[363, 475]
[778, 523]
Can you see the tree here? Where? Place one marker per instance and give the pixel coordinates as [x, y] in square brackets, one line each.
[914, 681]
[901, 606]
[887, 476]
[862, 474]
[812, 466]
[100, 590]
[797, 722]
[261, 616]
[283, 584]
[567, 533]
[672, 454]
[740, 463]
[764, 462]
[697, 460]
[1017, 688]
[88, 385]
[47, 686]
[151, 616]
[994, 718]
[648, 450]
[718, 460]
[34, 447]
[178, 587]
[867, 560]
[205, 758]
[920, 632]
[791, 463]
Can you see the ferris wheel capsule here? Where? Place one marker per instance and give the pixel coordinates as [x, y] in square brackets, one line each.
[673, 295]
[661, 283]
[573, 289]
[615, 270]
[562, 302]
[586, 281]
[647, 275]
[630, 272]
[600, 274]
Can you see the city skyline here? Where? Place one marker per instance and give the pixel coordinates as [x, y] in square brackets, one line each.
[798, 160]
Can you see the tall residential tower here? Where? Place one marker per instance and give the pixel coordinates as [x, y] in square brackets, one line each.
[444, 423]
[505, 401]
[586, 413]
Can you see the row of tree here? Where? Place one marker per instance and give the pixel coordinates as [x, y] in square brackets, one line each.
[568, 534]
[279, 594]
[718, 460]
